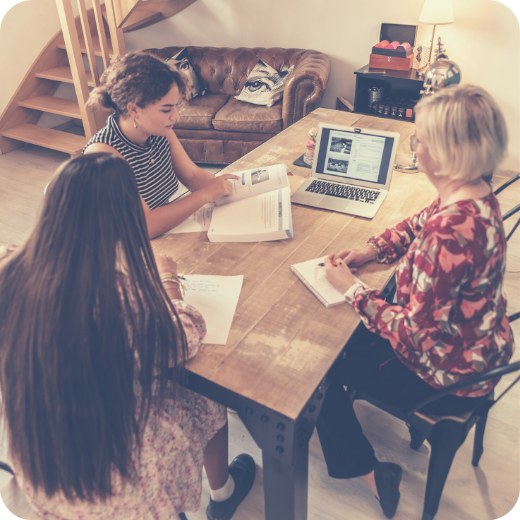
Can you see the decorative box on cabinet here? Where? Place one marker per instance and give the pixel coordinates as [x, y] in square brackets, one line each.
[403, 85]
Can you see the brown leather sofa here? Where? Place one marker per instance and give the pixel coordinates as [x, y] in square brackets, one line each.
[216, 128]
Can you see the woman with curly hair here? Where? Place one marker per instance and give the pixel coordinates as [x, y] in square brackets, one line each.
[93, 334]
[145, 94]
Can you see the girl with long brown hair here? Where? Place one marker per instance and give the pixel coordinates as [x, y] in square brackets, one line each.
[93, 335]
[145, 92]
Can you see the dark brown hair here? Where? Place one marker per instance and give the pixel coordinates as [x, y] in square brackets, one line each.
[75, 333]
[137, 77]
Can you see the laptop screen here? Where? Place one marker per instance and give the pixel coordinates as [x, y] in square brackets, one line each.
[357, 156]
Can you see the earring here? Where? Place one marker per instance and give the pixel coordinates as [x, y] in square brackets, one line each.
[135, 123]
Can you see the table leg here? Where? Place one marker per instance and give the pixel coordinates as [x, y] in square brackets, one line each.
[284, 443]
[285, 455]
[285, 486]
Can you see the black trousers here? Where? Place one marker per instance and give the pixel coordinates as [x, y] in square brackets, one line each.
[371, 366]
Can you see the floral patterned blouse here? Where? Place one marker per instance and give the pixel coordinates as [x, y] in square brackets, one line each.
[169, 471]
[449, 322]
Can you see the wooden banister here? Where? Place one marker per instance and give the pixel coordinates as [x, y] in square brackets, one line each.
[70, 35]
[88, 41]
[101, 32]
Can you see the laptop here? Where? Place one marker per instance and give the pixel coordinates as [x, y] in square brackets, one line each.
[352, 170]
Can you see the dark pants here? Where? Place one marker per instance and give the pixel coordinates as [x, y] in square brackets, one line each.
[371, 366]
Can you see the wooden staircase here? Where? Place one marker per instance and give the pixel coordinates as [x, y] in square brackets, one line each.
[97, 32]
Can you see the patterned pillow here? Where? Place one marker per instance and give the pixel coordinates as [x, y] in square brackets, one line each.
[183, 65]
[264, 85]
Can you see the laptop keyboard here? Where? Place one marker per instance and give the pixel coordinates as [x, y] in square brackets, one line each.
[343, 191]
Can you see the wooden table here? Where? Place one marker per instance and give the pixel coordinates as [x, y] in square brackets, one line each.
[283, 341]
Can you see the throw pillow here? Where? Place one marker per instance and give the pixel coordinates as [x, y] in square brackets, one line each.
[264, 85]
[183, 65]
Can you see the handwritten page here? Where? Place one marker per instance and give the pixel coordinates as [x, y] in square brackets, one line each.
[216, 298]
[199, 221]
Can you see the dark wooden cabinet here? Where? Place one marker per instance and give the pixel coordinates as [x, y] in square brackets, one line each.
[398, 85]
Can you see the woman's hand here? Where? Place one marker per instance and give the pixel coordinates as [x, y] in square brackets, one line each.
[218, 187]
[338, 274]
[166, 264]
[355, 257]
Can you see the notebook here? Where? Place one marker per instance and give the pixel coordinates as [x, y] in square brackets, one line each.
[313, 277]
[352, 170]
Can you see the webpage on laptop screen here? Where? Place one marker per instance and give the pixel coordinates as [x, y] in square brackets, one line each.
[354, 156]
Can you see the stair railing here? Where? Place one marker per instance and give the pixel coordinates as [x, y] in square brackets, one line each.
[74, 51]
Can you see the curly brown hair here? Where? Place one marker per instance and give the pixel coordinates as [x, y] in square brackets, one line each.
[137, 77]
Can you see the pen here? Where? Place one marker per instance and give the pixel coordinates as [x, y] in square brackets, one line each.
[323, 265]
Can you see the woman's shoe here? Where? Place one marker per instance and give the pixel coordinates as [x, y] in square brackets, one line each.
[388, 477]
[242, 469]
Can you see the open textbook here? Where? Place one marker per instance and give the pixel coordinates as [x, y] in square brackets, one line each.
[259, 209]
[313, 277]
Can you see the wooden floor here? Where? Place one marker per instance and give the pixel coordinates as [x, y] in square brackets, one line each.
[483, 493]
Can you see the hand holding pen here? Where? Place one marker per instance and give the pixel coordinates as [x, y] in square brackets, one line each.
[338, 274]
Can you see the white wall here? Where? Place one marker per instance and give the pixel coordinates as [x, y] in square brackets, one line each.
[484, 40]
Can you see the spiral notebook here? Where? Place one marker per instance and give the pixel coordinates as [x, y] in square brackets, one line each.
[313, 277]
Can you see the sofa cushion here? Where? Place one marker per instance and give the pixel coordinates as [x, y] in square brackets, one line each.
[237, 116]
[182, 64]
[265, 85]
[198, 113]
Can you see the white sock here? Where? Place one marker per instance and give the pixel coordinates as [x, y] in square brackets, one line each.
[219, 495]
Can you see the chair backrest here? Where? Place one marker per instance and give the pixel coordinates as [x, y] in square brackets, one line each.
[485, 376]
[512, 211]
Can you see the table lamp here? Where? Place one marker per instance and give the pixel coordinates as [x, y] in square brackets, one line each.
[435, 12]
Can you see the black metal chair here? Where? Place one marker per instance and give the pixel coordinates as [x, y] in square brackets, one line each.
[512, 211]
[447, 433]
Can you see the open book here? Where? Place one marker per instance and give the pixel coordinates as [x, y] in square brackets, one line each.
[259, 208]
[313, 277]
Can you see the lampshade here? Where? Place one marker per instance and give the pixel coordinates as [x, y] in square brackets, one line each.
[437, 12]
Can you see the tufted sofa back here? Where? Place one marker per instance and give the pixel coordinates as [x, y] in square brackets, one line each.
[224, 70]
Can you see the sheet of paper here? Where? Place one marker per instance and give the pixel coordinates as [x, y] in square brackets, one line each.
[216, 298]
[199, 221]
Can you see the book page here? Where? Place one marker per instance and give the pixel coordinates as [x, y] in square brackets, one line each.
[256, 181]
[199, 221]
[255, 218]
[216, 298]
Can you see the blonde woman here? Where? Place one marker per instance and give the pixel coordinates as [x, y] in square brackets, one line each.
[449, 322]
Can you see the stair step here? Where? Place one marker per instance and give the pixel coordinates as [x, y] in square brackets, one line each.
[47, 137]
[55, 105]
[140, 17]
[63, 74]
[95, 43]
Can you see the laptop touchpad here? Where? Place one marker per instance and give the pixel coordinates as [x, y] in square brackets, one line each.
[334, 203]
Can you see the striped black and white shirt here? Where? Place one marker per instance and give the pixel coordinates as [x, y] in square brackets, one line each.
[152, 164]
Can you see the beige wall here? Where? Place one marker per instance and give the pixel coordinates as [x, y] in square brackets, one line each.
[25, 31]
[484, 40]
